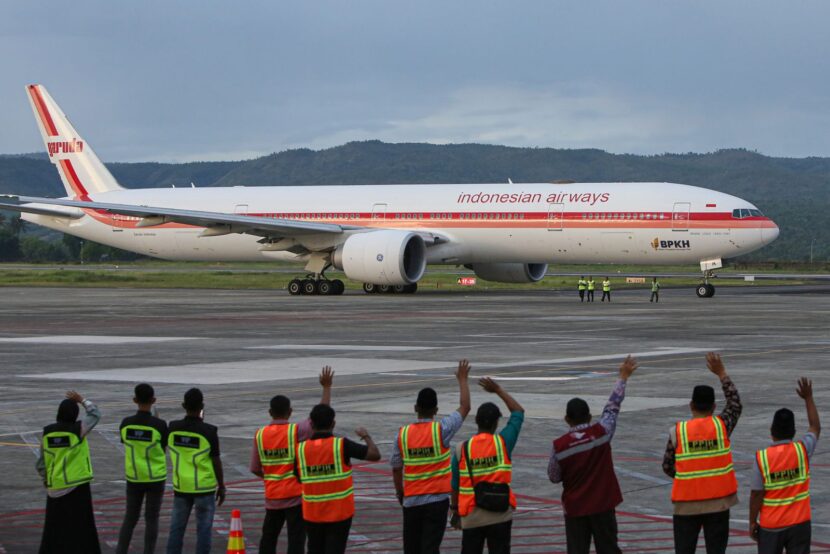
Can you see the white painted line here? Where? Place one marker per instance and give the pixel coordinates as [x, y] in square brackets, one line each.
[247, 371]
[666, 351]
[356, 347]
[502, 378]
[643, 476]
[89, 339]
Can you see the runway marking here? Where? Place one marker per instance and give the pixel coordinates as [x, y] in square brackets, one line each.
[666, 351]
[15, 444]
[356, 347]
[502, 378]
[90, 339]
[247, 371]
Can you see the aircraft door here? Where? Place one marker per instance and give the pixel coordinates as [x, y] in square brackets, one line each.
[555, 216]
[378, 212]
[680, 216]
[241, 209]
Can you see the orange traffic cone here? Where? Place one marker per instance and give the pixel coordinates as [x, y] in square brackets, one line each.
[236, 542]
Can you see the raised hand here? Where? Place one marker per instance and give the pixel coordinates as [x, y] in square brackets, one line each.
[72, 395]
[488, 384]
[805, 388]
[715, 364]
[463, 371]
[628, 367]
[327, 376]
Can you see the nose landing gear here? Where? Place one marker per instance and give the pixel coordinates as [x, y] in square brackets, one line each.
[706, 290]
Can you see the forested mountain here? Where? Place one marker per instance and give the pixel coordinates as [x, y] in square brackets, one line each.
[793, 191]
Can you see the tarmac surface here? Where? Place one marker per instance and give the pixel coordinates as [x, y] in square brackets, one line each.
[242, 347]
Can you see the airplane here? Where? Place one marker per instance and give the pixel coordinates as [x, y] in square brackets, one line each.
[385, 235]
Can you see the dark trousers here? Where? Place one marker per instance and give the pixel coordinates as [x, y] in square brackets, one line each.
[590, 296]
[272, 525]
[497, 537]
[606, 294]
[795, 539]
[655, 297]
[423, 527]
[582, 296]
[69, 527]
[328, 538]
[715, 532]
[602, 527]
[136, 494]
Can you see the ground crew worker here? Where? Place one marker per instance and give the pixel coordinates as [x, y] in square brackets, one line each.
[198, 478]
[272, 459]
[699, 458]
[591, 286]
[66, 469]
[655, 290]
[145, 468]
[781, 482]
[581, 285]
[581, 460]
[483, 463]
[606, 289]
[421, 467]
[323, 465]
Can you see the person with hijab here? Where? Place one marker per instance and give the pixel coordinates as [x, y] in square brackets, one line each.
[66, 469]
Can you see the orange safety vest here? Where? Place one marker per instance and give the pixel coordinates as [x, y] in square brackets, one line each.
[703, 461]
[426, 461]
[490, 462]
[786, 473]
[277, 447]
[328, 493]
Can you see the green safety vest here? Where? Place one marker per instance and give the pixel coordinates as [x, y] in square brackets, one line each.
[655, 286]
[606, 286]
[144, 460]
[590, 285]
[582, 284]
[193, 471]
[67, 460]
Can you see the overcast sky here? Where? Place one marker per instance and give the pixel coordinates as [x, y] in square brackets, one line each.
[200, 80]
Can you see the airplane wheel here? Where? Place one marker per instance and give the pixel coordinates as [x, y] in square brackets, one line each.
[385, 289]
[339, 287]
[370, 288]
[702, 291]
[325, 288]
[410, 289]
[295, 287]
[309, 286]
[711, 291]
[399, 289]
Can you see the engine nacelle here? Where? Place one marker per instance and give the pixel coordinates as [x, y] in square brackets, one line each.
[383, 257]
[510, 272]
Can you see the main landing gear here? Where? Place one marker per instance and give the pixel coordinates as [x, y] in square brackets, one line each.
[316, 284]
[370, 288]
[705, 290]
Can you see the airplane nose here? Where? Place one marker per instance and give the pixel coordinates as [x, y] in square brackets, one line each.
[769, 234]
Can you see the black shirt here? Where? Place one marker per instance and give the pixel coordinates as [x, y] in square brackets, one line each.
[194, 424]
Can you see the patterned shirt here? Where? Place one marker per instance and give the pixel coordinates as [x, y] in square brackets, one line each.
[608, 420]
[450, 424]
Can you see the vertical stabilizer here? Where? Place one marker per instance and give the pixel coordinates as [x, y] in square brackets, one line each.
[81, 171]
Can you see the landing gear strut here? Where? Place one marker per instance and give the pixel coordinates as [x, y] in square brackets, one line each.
[705, 290]
[316, 284]
[371, 288]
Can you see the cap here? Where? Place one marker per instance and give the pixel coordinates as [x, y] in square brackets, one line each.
[427, 399]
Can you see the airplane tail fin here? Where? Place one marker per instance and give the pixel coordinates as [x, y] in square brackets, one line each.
[80, 169]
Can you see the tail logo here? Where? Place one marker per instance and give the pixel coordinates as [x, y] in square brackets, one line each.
[65, 147]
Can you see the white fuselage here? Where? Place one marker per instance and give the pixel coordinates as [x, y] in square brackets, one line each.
[639, 223]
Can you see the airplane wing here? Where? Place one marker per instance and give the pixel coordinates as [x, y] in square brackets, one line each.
[57, 211]
[220, 223]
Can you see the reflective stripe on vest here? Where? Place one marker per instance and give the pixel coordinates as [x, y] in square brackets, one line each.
[582, 284]
[490, 462]
[591, 285]
[192, 465]
[426, 461]
[786, 473]
[327, 488]
[703, 461]
[144, 460]
[606, 286]
[277, 448]
[67, 460]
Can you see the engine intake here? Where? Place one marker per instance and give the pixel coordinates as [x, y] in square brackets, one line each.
[510, 272]
[382, 257]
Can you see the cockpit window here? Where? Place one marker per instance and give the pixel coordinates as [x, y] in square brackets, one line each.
[742, 213]
[756, 213]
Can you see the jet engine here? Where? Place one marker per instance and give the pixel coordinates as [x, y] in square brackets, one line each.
[382, 257]
[511, 272]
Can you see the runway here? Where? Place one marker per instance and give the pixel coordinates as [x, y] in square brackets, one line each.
[242, 347]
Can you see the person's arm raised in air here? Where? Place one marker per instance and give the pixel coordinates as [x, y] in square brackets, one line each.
[372, 454]
[491, 386]
[462, 374]
[805, 391]
[326, 381]
[608, 420]
[732, 411]
[92, 416]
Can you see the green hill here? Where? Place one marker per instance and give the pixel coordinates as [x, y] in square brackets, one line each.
[793, 191]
